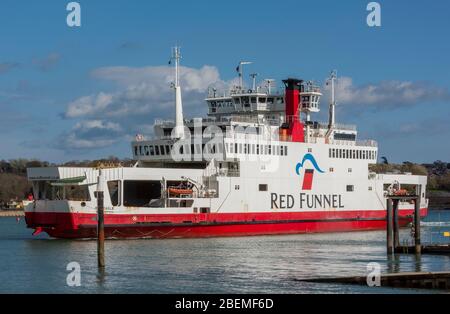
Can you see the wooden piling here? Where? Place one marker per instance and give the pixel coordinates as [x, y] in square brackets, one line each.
[417, 244]
[100, 230]
[389, 227]
[396, 225]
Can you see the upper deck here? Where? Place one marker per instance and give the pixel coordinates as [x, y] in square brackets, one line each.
[258, 114]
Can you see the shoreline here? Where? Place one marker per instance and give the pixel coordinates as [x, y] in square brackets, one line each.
[12, 213]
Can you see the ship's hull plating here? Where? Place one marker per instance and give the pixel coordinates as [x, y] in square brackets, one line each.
[82, 226]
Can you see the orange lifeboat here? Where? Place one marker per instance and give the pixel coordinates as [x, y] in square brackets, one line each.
[175, 191]
[401, 192]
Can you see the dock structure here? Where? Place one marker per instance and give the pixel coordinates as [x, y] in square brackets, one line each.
[417, 280]
[393, 229]
[393, 232]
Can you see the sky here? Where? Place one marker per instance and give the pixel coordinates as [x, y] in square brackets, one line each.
[76, 93]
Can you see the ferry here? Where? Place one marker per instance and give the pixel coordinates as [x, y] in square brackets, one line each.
[258, 164]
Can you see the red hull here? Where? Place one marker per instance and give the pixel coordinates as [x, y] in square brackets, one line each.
[73, 226]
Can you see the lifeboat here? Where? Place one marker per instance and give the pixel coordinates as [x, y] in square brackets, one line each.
[401, 192]
[176, 191]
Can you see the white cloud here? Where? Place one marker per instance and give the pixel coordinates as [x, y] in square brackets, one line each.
[141, 95]
[91, 134]
[387, 94]
[142, 89]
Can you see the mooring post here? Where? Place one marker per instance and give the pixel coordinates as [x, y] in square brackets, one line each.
[100, 223]
[396, 225]
[389, 226]
[418, 246]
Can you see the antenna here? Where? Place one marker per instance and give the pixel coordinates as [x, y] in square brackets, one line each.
[179, 125]
[269, 85]
[253, 76]
[331, 80]
[241, 72]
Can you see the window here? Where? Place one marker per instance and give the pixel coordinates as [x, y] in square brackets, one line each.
[156, 150]
[282, 150]
[285, 150]
[236, 187]
[370, 188]
[141, 193]
[162, 150]
[334, 153]
[113, 188]
[350, 188]
[152, 150]
[75, 192]
[309, 150]
[263, 187]
[349, 170]
[205, 210]
[344, 136]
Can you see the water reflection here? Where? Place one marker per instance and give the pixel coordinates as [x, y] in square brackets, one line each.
[220, 265]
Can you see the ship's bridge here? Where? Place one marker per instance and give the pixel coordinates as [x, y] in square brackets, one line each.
[240, 101]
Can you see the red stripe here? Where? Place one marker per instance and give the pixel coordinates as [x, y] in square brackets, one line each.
[66, 225]
[308, 179]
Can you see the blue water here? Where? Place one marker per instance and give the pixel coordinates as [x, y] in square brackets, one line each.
[266, 264]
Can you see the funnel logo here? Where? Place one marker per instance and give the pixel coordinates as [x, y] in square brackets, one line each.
[309, 173]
